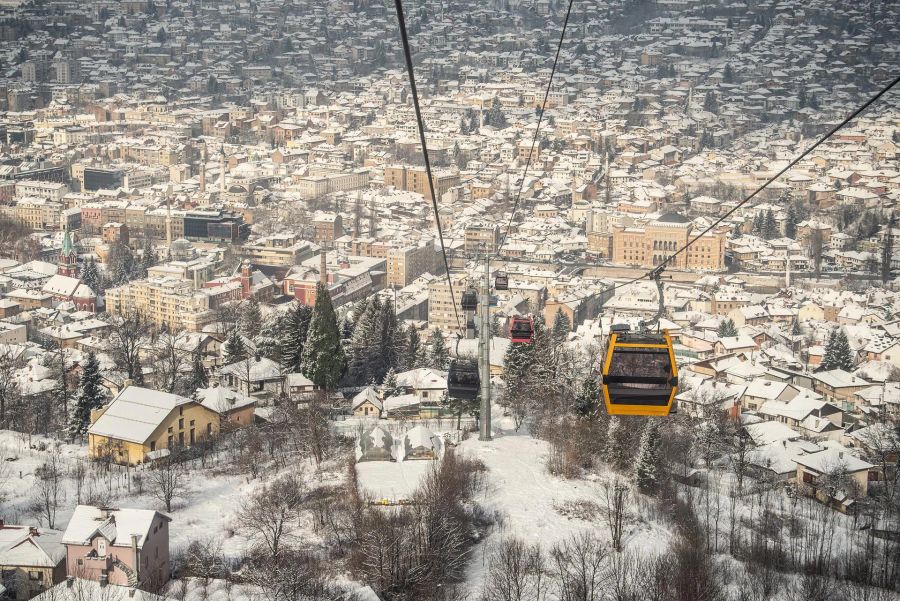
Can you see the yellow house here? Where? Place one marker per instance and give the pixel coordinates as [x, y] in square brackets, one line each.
[139, 421]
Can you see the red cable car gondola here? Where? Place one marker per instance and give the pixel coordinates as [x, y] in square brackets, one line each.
[521, 329]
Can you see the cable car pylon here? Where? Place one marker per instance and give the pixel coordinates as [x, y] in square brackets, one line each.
[484, 351]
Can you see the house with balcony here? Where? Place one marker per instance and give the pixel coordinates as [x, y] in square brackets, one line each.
[124, 547]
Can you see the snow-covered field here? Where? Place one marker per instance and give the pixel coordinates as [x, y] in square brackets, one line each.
[538, 507]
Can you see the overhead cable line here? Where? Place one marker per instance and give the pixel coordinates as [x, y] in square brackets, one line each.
[401, 19]
[537, 131]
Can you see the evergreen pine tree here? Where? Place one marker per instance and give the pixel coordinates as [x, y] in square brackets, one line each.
[843, 354]
[828, 362]
[412, 353]
[727, 328]
[770, 226]
[647, 464]
[90, 276]
[588, 399]
[323, 355]
[561, 328]
[790, 222]
[728, 74]
[199, 379]
[795, 328]
[90, 395]
[616, 446]
[293, 338]
[386, 353]
[149, 257]
[250, 318]
[389, 384]
[758, 224]
[364, 342]
[438, 354]
[710, 104]
[235, 349]
[495, 116]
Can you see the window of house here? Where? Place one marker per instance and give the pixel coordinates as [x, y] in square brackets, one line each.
[170, 429]
[192, 423]
[181, 423]
[170, 441]
[208, 428]
[808, 478]
[35, 575]
[152, 445]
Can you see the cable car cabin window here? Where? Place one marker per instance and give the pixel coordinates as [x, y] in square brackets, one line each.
[652, 364]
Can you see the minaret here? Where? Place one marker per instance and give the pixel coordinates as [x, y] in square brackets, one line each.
[168, 223]
[202, 175]
[222, 178]
[607, 177]
[787, 268]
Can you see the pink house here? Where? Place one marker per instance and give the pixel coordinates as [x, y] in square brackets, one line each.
[128, 547]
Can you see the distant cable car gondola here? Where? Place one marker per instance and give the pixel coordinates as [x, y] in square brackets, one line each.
[501, 281]
[469, 300]
[640, 375]
[463, 381]
[521, 329]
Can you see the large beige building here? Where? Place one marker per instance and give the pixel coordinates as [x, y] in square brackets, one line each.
[482, 238]
[415, 179]
[407, 263]
[168, 301]
[650, 243]
[440, 303]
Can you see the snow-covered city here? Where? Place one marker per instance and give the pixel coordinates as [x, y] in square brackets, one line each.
[439, 300]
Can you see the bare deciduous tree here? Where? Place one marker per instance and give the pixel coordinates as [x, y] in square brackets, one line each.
[269, 516]
[50, 476]
[578, 565]
[615, 494]
[516, 572]
[168, 480]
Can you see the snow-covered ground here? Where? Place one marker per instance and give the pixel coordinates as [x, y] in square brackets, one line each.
[206, 510]
[391, 480]
[536, 506]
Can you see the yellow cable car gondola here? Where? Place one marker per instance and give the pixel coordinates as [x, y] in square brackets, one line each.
[640, 375]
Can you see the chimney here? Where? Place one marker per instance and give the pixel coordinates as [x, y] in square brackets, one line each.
[137, 558]
[131, 592]
[104, 579]
[323, 269]
[840, 454]
[70, 580]
[32, 531]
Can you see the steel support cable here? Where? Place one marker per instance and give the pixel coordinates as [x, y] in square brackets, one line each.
[407, 54]
[659, 268]
[537, 131]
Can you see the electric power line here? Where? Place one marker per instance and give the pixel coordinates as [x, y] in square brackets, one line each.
[401, 19]
[537, 131]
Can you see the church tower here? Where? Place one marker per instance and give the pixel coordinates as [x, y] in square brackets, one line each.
[68, 259]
